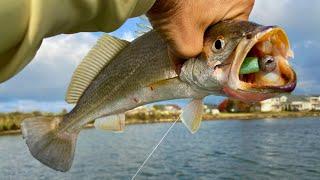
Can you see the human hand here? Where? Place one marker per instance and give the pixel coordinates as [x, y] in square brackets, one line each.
[183, 22]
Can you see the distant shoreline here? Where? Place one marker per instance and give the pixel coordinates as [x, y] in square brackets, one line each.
[206, 117]
[235, 116]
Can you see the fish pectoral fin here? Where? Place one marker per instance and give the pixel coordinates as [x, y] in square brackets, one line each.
[106, 49]
[191, 115]
[115, 123]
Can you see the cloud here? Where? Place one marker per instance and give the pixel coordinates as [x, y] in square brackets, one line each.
[128, 35]
[48, 75]
[299, 18]
[270, 11]
[307, 44]
[46, 78]
[30, 105]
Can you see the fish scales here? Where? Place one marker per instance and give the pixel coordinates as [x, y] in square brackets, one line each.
[143, 62]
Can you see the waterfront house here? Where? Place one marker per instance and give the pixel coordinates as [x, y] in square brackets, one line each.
[140, 109]
[172, 108]
[276, 104]
[300, 106]
[315, 103]
[211, 109]
[298, 103]
[271, 105]
[291, 103]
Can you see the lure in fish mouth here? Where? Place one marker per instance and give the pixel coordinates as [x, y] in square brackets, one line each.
[226, 51]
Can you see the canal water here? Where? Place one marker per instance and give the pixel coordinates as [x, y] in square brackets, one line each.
[231, 149]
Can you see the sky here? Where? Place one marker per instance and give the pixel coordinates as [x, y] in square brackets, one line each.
[42, 84]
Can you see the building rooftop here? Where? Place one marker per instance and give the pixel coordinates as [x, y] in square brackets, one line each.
[292, 98]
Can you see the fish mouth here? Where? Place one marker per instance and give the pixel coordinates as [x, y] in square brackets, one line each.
[269, 44]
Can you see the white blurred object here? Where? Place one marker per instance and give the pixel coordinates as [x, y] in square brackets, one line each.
[114, 123]
[191, 115]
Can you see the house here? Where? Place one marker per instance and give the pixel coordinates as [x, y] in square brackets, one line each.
[291, 103]
[300, 106]
[272, 105]
[298, 103]
[166, 107]
[215, 111]
[211, 109]
[172, 108]
[140, 109]
[276, 104]
[315, 103]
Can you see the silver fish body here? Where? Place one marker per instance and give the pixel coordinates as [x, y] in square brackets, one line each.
[142, 73]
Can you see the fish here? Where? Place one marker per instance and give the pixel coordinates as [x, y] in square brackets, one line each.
[117, 76]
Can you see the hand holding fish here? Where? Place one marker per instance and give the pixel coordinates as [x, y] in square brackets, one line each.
[182, 23]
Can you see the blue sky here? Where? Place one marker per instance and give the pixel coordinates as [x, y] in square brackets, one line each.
[42, 84]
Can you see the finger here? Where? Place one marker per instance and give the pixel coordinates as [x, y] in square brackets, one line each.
[178, 26]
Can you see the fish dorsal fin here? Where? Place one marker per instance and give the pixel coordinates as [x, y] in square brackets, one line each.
[191, 115]
[113, 123]
[98, 57]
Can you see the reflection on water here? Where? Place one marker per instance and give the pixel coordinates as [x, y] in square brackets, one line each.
[262, 149]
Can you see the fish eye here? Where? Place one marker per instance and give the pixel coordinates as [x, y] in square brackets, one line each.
[218, 44]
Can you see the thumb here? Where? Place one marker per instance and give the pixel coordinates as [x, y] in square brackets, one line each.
[183, 33]
[185, 41]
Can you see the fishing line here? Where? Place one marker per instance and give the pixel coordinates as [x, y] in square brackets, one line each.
[154, 149]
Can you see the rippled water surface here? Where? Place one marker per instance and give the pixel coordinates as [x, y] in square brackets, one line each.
[262, 149]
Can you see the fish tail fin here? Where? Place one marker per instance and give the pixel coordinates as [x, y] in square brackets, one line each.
[53, 149]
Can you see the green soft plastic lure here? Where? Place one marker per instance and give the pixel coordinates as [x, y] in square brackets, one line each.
[249, 65]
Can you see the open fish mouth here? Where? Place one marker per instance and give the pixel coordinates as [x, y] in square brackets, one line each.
[271, 47]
